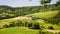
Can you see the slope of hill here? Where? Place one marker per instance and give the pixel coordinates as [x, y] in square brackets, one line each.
[30, 20]
[40, 18]
[18, 30]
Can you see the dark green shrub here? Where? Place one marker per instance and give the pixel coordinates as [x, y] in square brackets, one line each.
[1, 27]
[50, 27]
[36, 26]
[12, 25]
[43, 27]
[18, 24]
[6, 26]
[26, 24]
[58, 32]
[22, 24]
[29, 24]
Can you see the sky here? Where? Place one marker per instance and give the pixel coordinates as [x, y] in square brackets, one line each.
[21, 3]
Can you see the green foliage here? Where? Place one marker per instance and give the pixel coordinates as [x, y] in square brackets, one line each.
[4, 16]
[6, 26]
[45, 1]
[58, 2]
[9, 12]
[58, 32]
[50, 27]
[36, 26]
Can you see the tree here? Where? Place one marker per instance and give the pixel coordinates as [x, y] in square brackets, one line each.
[58, 2]
[50, 27]
[44, 3]
[5, 26]
[58, 32]
[36, 26]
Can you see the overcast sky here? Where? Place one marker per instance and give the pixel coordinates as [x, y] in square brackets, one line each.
[19, 3]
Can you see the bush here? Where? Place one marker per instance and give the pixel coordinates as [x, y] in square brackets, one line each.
[26, 24]
[36, 26]
[29, 24]
[18, 24]
[43, 27]
[50, 27]
[58, 32]
[6, 26]
[12, 25]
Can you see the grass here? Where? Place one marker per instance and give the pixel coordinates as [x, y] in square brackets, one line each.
[43, 23]
[49, 14]
[18, 30]
[1, 25]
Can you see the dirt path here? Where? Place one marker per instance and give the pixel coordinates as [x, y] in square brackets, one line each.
[16, 18]
[19, 18]
[54, 31]
[22, 17]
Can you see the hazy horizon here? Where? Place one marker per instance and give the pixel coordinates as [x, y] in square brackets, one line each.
[21, 3]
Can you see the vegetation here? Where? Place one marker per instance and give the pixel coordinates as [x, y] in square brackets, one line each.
[43, 19]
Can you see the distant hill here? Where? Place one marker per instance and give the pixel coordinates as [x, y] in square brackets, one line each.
[10, 12]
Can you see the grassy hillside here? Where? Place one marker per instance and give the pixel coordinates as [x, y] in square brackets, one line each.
[18, 30]
[28, 20]
[41, 18]
[49, 14]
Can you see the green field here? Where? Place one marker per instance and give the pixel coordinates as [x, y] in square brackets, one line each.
[18, 30]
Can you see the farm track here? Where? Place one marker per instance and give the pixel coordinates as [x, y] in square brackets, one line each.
[54, 31]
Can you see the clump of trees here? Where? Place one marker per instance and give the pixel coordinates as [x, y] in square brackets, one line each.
[9, 12]
[51, 28]
[19, 23]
